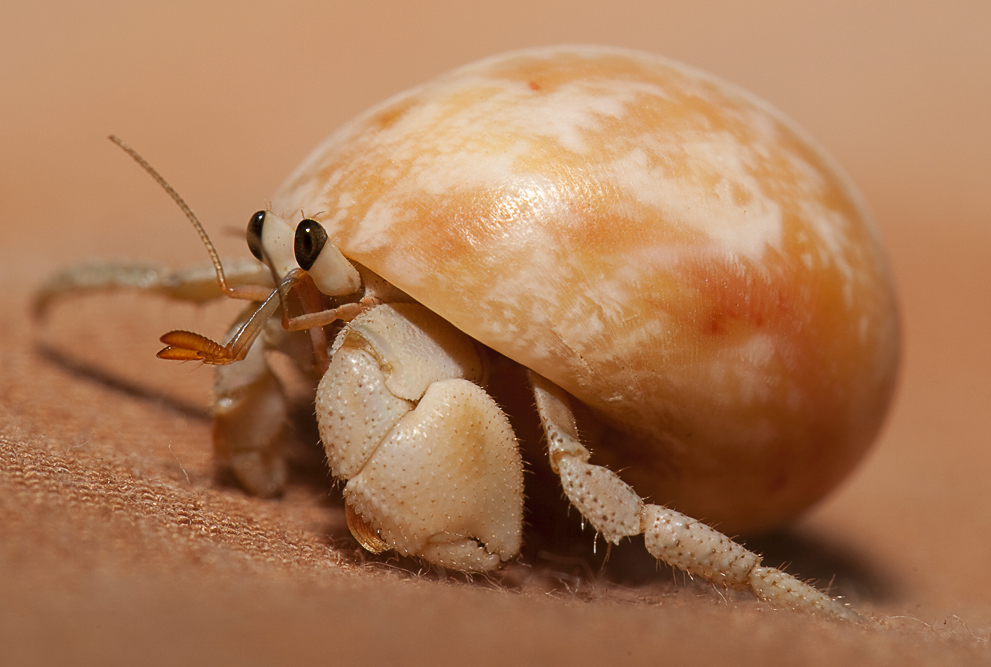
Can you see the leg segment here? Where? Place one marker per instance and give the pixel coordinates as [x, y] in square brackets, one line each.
[196, 284]
[250, 407]
[616, 511]
[249, 418]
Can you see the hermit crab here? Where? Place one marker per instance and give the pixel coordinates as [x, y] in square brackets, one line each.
[699, 302]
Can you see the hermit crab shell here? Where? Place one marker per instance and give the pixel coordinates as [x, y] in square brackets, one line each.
[670, 250]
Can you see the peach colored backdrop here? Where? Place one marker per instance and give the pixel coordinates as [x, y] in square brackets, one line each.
[105, 453]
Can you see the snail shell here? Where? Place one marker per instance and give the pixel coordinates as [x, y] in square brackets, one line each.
[673, 252]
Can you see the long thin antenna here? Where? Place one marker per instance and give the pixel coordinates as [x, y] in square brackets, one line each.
[214, 257]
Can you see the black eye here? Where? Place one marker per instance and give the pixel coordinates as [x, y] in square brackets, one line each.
[255, 234]
[310, 240]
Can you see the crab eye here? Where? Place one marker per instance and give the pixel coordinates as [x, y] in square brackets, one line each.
[254, 235]
[310, 240]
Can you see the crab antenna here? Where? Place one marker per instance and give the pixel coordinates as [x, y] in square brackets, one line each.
[214, 257]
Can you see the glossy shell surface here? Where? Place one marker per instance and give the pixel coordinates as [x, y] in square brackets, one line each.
[670, 250]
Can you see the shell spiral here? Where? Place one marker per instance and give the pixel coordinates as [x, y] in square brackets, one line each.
[670, 250]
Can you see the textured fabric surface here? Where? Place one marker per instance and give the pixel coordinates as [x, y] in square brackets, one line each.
[121, 544]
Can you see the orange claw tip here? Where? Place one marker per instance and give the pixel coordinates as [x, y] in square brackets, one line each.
[184, 339]
[189, 346]
[179, 354]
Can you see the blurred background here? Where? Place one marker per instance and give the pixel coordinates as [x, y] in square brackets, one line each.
[225, 98]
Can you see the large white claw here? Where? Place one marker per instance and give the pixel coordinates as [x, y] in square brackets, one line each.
[431, 461]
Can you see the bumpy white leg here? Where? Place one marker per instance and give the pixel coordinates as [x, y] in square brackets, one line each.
[250, 407]
[431, 461]
[249, 418]
[616, 511]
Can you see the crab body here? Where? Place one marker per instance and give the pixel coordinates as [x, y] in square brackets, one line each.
[693, 289]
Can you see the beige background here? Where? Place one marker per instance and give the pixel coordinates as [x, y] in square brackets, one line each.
[118, 542]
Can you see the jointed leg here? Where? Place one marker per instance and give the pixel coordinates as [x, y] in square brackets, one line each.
[196, 284]
[616, 511]
[250, 408]
[249, 418]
